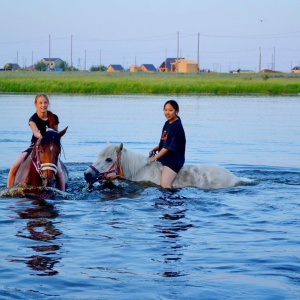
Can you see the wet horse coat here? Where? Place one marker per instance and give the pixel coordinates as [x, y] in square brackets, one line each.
[40, 166]
[115, 161]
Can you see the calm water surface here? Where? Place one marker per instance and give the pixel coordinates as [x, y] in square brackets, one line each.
[127, 241]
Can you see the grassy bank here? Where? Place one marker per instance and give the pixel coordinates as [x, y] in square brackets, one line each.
[141, 83]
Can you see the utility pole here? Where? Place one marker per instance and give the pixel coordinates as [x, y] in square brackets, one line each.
[32, 66]
[259, 64]
[100, 61]
[166, 60]
[71, 52]
[84, 60]
[177, 51]
[49, 52]
[274, 60]
[198, 60]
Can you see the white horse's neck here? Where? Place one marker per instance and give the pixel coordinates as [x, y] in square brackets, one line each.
[131, 163]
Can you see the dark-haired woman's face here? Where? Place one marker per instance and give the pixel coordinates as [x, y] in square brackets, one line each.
[170, 113]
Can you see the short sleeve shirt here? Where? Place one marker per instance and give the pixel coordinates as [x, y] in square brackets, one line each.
[41, 124]
[173, 139]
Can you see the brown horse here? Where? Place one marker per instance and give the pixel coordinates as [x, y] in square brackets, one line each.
[40, 166]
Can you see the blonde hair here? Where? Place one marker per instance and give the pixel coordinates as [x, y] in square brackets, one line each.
[41, 95]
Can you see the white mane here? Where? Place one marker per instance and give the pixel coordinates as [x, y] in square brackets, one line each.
[132, 163]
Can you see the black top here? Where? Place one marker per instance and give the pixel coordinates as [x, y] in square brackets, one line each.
[41, 125]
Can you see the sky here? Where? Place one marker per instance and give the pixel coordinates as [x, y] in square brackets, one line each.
[223, 34]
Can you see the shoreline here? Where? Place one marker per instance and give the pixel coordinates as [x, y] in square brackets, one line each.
[103, 83]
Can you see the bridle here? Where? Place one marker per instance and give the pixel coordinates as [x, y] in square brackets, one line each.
[114, 171]
[35, 158]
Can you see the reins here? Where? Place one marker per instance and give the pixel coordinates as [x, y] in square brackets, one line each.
[114, 171]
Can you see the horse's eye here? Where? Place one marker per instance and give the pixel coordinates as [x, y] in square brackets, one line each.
[108, 159]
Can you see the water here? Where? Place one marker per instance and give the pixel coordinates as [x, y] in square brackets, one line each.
[127, 241]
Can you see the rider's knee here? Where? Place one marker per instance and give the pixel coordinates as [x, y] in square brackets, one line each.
[165, 183]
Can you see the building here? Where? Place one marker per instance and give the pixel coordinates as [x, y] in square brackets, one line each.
[148, 68]
[296, 70]
[11, 67]
[185, 66]
[115, 68]
[133, 68]
[166, 65]
[51, 62]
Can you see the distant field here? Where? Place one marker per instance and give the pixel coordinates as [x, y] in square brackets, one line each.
[142, 83]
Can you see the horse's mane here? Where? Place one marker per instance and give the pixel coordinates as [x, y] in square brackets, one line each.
[131, 162]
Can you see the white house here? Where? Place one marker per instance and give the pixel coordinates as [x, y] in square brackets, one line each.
[52, 62]
[296, 69]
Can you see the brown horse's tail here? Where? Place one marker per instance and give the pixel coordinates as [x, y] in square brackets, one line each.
[51, 119]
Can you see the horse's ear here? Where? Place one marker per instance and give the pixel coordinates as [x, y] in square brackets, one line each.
[61, 133]
[120, 148]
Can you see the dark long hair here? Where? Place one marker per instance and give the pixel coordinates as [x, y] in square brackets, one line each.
[174, 104]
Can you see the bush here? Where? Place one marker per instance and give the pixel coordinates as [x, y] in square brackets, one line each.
[265, 77]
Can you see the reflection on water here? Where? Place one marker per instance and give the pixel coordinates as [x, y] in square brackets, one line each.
[39, 228]
[173, 223]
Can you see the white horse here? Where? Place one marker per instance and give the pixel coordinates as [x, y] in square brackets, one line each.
[116, 161]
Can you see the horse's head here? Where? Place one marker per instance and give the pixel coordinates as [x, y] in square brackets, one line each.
[45, 155]
[107, 166]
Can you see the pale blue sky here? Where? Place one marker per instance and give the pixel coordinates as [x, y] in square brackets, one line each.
[125, 32]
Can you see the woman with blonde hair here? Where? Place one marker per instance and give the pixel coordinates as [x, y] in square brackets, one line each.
[38, 122]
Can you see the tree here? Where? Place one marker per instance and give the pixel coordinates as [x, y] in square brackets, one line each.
[98, 68]
[63, 65]
[8, 67]
[39, 66]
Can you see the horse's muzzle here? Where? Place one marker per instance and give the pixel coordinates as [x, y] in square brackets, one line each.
[48, 178]
[89, 177]
[48, 183]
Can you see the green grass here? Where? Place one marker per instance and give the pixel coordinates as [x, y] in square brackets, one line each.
[142, 83]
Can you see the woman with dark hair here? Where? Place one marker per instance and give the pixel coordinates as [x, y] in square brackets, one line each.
[171, 149]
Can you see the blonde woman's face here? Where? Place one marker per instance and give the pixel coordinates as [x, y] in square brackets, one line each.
[41, 104]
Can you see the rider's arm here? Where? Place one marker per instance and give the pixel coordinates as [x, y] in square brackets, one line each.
[153, 151]
[35, 130]
[162, 152]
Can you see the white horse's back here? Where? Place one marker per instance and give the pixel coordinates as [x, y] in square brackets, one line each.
[208, 177]
[205, 177]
